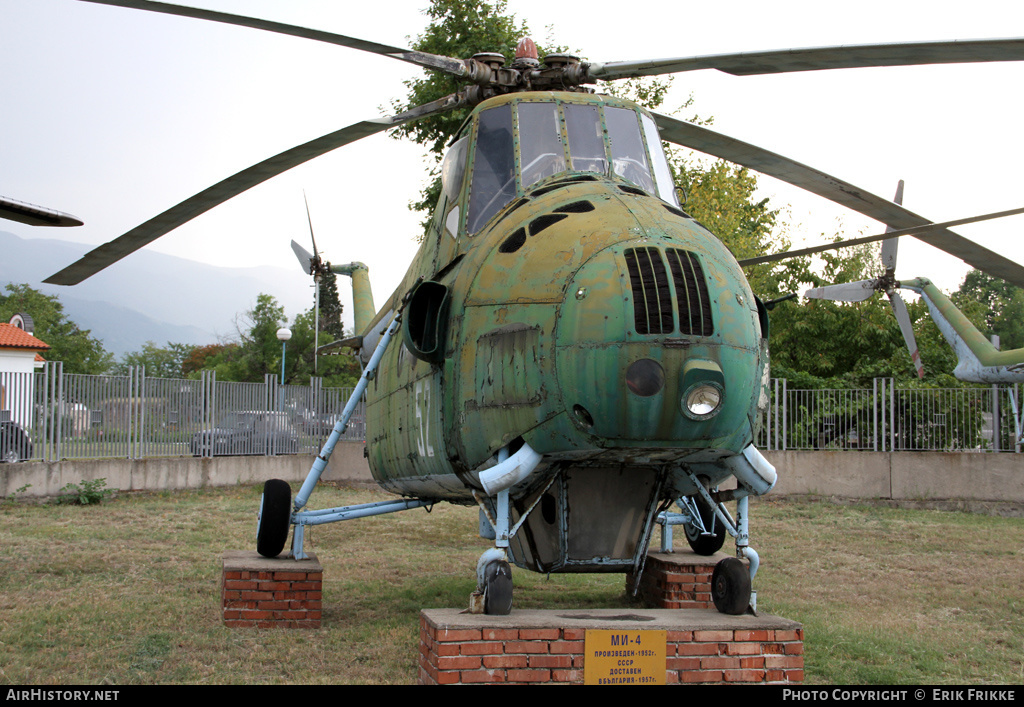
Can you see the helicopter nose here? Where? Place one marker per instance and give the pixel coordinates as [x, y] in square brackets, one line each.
[637, 354]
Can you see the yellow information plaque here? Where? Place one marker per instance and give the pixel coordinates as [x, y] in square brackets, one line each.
[614, 657]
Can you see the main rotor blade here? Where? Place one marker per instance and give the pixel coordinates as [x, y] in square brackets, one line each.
[843, 292]
[920, 232]
[903, 318]
[834, 189]
[819, 58]
[109, 253]
[449, 65]
[33, 215]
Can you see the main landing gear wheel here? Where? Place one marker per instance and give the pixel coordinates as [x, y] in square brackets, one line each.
[274, 518]
[730, 586]
[705, 544]
[498, 588]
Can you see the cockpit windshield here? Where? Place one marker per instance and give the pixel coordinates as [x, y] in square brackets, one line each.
[521, 143]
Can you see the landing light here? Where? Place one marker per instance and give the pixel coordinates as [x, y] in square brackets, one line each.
[703, 400]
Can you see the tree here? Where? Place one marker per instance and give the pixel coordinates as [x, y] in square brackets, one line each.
[80, 352]
[160, 362]
[221, 358]
[330, 305]
[457, 28]
[257, 351]
[995, 306]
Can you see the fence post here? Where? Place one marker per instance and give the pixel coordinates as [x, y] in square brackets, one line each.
[137, 412]
[55, 452]
[1017, 414]
[207, 412]
[785, 401]
[273, 404]
[892, 414]
[874, 414]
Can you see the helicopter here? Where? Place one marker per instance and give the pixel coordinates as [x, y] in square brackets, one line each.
[978, 359]
[569, 351]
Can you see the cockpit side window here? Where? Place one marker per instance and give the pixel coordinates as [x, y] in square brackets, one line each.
[494, 167]
[586, 138]
[662, 172]
[543, 154]
[629, 158]
[454, 168]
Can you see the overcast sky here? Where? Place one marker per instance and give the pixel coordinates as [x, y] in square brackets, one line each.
[114, 115]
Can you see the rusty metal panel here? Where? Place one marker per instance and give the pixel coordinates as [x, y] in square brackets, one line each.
[506, 366]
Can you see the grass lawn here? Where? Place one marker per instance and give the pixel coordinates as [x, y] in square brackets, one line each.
[128, 591]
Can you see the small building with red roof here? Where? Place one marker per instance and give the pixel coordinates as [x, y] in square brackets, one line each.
[19, 350]
[21, 354]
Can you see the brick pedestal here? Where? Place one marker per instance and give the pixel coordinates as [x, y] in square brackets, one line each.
[542, 647]
[271, 593]
[677, 580]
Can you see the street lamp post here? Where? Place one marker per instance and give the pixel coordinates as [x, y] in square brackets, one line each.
[283, 334]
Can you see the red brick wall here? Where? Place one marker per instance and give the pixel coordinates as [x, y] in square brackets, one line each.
[271, 593]
[679, 580]
[503, 654]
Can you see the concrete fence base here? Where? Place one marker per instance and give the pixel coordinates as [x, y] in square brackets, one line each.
[47, 479]
[969, 479]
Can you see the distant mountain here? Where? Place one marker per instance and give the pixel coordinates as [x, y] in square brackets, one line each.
[158, 298]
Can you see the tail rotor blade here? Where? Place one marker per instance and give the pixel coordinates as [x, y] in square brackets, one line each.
[843, 292]
[889, 249]
[306, 258]
[890, 246]
[309, 218]
[903, 318]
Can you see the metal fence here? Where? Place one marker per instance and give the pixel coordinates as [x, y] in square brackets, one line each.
[886, 417]
[49, 415]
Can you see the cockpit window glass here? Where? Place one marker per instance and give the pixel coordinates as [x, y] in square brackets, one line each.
[541, 153]
[454, 168]
[586, 138]
[494, 167]
[629, 158]
[662, 173]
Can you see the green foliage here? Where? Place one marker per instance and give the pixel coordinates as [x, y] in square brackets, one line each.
[12, 496]
[994, 306]
[160, 361]
[257, 351]
[458, 29]
[330, 306]
[85, 494]
[80, 352]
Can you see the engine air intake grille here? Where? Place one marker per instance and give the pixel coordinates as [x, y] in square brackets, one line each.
[691, 293]
[652, 295]
[652, 298]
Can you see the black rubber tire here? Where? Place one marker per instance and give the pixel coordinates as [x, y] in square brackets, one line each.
[705, 544]
[274, 518]
[498, 588]
[730, 586]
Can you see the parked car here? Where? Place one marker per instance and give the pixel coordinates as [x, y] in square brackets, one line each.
[15, 443]
[248, 432]
[320, 425]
